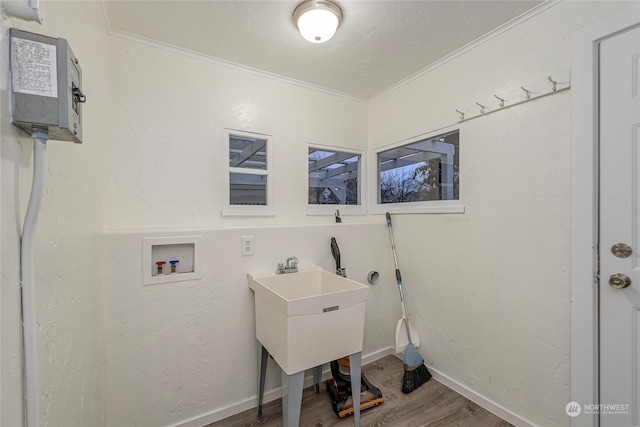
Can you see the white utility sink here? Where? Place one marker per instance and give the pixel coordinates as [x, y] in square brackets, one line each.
[308, 318]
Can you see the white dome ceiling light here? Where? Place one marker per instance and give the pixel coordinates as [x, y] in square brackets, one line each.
[317, 20]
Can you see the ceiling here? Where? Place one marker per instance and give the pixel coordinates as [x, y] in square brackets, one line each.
[378, 44]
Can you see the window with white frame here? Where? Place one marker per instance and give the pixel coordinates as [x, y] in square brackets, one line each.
[425, 169]
[248, 187]
[334, 176]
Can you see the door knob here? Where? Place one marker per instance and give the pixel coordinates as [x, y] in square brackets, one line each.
[621, 250]
[619, 281]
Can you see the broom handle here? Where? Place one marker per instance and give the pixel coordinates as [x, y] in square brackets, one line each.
[399, 279]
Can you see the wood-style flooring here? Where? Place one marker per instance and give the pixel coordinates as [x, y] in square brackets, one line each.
[432, 404]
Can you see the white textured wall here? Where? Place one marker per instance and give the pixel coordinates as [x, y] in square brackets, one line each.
[493, 297]
[183, 350]
[489, 289]
[68, 237]
[187, 350]
[169, 112]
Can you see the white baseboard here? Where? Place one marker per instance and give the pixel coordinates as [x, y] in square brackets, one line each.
[269, 395]
[480, 400]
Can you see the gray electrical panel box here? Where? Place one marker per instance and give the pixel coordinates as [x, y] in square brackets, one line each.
[46, 86]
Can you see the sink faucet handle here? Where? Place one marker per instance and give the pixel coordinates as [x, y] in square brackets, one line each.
[294, 262]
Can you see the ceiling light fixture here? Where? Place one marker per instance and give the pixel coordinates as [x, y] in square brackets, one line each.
[317, 20]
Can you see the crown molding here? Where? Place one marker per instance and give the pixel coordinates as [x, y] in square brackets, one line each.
[214, 60]
[277, 77]
[472, 45]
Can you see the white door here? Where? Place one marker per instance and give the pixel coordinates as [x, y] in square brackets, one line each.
[619, 230]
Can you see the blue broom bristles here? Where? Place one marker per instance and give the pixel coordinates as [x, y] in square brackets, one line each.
[415, 373]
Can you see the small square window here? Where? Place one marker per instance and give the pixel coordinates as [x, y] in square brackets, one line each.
[333, 177]
[247, 180]
[247, 189]
[247, 153]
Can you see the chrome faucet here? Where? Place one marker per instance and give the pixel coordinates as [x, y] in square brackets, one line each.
[290, 267]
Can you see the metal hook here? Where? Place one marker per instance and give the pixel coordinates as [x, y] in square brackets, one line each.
[526, 91]
[482, 107]
[461, 114]
[499, 99]
[553, 83]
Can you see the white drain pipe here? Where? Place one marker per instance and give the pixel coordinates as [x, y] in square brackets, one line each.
[27, 275]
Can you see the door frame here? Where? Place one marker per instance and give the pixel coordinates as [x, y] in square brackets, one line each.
[584, 209]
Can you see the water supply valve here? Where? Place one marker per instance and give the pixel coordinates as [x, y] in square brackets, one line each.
[159, 264]
[173, 263]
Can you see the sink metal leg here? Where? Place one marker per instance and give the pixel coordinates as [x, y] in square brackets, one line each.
[291, 398]
[263, 354]
[355, 370]
[317, 377]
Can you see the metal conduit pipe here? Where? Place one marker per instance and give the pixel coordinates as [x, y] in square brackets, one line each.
[27, 276]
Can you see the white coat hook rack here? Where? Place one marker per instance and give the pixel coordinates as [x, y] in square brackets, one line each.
[553, 83]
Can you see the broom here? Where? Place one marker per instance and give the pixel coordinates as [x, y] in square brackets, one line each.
[415, 373]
